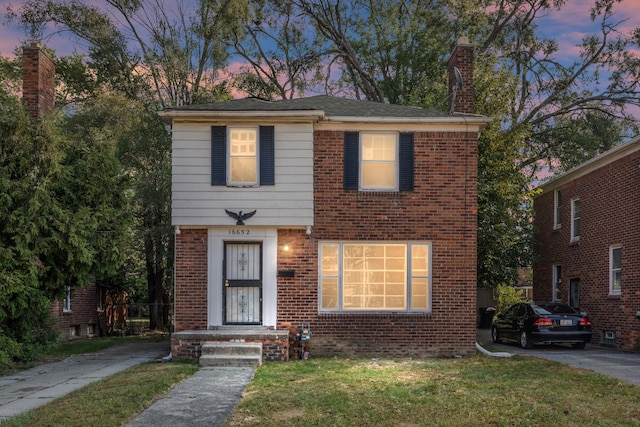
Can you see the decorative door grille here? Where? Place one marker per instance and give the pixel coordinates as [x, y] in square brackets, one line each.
[243, 283]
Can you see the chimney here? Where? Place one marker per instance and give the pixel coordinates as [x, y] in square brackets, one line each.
[461, 78]
[38, 81]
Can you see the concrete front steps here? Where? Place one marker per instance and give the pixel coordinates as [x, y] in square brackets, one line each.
[231, 354]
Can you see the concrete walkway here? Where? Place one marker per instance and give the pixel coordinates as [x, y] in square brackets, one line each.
[26, 390]
[207, 398]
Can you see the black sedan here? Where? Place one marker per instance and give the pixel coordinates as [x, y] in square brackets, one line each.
[528, 323]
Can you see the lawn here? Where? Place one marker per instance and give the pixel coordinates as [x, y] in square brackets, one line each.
[473, 391]
[356, 391]
[110, 402]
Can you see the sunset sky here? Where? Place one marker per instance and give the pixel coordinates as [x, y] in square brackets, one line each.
[567, 27]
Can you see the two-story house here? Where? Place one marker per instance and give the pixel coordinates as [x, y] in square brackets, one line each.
[588, 253]
[354, 217]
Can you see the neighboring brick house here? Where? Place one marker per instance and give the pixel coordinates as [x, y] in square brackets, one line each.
[361, 220]
[77, 314]
[588, 233]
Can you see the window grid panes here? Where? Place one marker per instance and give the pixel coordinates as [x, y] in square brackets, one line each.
[243, 161]
[616, 270]
[379, 154]
[374, 277]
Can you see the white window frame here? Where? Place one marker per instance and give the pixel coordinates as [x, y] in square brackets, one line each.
[575, 235]
[66, 302]
[410, 277]
[615, 271]
[557, 280]
[230, 182]
[557, 209]
[396, 162]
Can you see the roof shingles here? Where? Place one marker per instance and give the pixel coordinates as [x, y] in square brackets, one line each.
[332, 106]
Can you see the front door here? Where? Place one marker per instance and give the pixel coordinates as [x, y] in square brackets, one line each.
[242, 288]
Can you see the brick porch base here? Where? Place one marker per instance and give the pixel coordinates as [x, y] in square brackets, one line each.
[186, 345]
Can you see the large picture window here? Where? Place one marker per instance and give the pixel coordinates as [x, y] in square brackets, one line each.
[364, 276]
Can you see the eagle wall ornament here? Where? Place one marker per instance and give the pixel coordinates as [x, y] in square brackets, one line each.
[240, 217]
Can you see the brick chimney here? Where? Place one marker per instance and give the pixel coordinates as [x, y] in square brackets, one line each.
[461, 96]
[38, 81]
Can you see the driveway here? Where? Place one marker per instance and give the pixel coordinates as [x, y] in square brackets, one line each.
[622, 365]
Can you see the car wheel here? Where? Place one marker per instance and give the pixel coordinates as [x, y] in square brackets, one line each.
[494, 335]
[525, 342]
[579, 345]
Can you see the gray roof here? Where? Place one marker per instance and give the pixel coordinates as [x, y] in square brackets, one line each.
[331, 106]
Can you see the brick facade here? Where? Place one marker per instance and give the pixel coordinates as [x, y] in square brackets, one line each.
[609, 215]
[191, 280]
[38, 81]
[82, 320]
[441, 210]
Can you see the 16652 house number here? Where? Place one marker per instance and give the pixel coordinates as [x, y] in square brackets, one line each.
[239, 232]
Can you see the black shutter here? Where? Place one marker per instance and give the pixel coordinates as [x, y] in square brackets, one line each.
[351, 160]
[406, 161]
[267, 155]
[218, 155]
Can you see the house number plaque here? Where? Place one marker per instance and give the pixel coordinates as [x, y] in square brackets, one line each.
[239, 232]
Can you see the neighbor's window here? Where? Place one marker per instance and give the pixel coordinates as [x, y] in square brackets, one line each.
[243, 156]
[375, 276]
[557, 274]
[379, 161]
[575, 219]
[615, 270]
[66, 303]
[557, 205]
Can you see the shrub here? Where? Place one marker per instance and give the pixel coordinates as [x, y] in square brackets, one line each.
[506, 296]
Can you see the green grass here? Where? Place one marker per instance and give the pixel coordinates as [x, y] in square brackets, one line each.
[110, 402]
[473, 391]
[351, 391]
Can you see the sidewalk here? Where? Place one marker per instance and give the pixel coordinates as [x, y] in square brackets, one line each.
[35, 387]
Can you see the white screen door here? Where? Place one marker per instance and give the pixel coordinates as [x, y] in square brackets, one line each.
[243, 283]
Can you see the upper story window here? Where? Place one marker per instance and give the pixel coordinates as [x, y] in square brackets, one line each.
[557, 208]
[242, 156]
[615, 270]
[375, 277]
[575, 220]
[378, 161]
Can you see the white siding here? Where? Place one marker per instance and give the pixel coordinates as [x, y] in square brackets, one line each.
[287, 203]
